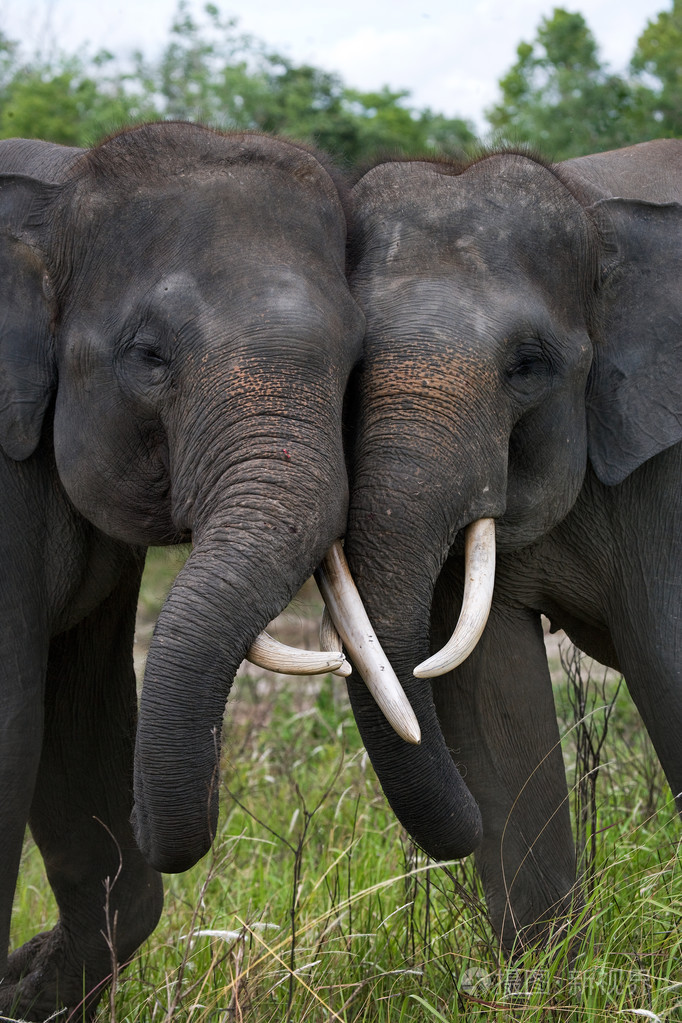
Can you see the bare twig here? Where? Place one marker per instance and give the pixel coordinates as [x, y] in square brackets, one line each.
[592, 709]
[111, 923]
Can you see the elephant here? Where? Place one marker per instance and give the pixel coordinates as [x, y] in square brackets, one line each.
[517, 419]
[176, 338]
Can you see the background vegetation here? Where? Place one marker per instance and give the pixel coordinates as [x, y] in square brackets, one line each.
[314, 905]
[558, 96]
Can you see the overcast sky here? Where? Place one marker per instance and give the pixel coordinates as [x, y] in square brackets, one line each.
[450, 54]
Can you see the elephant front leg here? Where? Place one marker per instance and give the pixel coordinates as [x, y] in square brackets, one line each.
[80, 821]
[646, 615]
[23, 659]
[498, 717]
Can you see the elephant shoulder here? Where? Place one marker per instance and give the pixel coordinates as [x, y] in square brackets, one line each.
[649, 170]
[47, 161]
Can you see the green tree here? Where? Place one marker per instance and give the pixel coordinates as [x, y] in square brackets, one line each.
[306, 103]
[659, 56]
[384, 126]
[560, 97]
[8, 59]
[207, 72]
[72, 99]
[210, 72]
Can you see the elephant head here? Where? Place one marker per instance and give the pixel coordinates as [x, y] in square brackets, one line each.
[523, 320]
[177, 324]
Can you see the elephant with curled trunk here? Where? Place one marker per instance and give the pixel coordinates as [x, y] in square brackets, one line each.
[175, 341]
[521, 387]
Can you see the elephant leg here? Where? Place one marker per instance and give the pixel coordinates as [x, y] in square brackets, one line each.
[654, 681]
[80, 819]
[649, 645]
[498, 717]
[646, 620]
[23, 659]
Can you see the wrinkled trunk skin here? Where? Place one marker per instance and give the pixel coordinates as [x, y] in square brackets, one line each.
[218, 604]
[264, 496]
[229, 589]
[399, 534]
[422, 784]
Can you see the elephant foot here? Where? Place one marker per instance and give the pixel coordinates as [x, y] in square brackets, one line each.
[43, 977]
[70, 966]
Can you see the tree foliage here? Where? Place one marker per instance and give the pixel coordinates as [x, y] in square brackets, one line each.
[558, 95]
[658, 56]
[212, 73]
[561, 98]
[208, 71]
[68, 99]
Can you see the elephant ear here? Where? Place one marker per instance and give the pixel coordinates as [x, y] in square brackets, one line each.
[634, 399]
[27, 367]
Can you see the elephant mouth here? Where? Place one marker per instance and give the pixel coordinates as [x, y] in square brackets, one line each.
[346, 623]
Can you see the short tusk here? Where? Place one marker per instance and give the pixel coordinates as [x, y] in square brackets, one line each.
[330, 640]
[350, 618]
[266, 652]
[479, 544]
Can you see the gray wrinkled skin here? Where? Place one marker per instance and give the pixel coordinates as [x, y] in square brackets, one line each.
[176, 338]
[522, 361]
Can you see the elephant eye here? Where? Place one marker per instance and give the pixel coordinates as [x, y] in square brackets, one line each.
[529, 368]
[151, 354]
[142, 368]
[144, 347]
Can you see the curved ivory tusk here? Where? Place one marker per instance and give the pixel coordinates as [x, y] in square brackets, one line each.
[266, 652]
[479, 546]
[350, 618]
[330, 640]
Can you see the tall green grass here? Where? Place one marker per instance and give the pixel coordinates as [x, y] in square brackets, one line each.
[314, 904]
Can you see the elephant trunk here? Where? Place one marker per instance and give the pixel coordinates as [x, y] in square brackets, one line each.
[422, 783]
[401, 528]
[223, 597]
[260, 525]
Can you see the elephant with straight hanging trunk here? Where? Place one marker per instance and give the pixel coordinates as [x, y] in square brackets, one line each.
[520, 388]
[175, 342]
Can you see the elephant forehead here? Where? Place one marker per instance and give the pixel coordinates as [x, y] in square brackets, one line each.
[179, 284]
[281, 297]
[277, 286]
[253, 299]
[498, 212]
[189, 261]
[477, 236]
[231, 210]
[484, 276]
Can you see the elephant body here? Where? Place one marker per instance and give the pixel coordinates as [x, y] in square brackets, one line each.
[522, 363]
[176, 337]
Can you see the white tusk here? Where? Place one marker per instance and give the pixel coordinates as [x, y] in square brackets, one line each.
[350, 618]
[479, 568]
[266, 652]
[330, 640]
